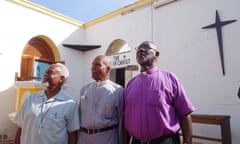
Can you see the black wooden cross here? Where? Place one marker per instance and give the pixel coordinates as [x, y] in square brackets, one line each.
[218, 25]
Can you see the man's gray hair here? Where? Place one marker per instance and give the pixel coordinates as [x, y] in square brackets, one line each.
[64, 71]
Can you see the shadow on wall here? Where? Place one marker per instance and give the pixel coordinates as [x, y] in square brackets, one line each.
[7, 105]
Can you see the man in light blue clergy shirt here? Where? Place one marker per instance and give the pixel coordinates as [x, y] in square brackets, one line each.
[100, 106]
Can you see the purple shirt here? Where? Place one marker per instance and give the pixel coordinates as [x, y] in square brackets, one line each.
[153, 103]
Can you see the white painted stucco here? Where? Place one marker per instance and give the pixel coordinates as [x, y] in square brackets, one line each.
[186, 49]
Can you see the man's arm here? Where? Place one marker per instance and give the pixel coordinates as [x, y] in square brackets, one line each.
[126, 136]
[18, 136]
[186, 126]
[72, 137]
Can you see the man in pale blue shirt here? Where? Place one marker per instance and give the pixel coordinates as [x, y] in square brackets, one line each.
[50, 116]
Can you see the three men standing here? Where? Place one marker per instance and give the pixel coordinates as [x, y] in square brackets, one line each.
[156, 107]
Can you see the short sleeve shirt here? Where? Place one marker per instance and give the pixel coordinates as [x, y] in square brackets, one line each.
[48, 121]
[153, 103]
[100, 104]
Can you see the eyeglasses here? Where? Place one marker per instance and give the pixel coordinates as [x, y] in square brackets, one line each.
[145, 47]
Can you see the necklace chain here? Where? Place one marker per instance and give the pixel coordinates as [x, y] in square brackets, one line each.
[43, 114]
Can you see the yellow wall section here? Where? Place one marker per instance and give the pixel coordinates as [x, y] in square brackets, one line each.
[21, 92]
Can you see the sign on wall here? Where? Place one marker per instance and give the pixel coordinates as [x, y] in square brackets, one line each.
[120, 60]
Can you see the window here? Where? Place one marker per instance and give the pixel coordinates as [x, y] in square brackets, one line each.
[39, 69]
[38, 53]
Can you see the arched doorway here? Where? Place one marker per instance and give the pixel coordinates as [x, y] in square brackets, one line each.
[118, 51]
[38, 53]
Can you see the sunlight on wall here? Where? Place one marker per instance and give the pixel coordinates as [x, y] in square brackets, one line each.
[5, 78]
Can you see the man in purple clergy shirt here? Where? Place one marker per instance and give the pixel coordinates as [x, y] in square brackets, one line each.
[156, 105]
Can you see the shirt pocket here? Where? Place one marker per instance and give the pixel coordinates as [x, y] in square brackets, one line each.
[83, 103]
[55, 121]
[157, 98]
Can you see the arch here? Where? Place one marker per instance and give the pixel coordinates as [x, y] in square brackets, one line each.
[117, 46]
[38, 48]
[122, 67]
[43, 47]
[52, 46]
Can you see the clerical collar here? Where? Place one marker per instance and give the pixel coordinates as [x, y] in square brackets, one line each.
[100, 83]
[150, 71]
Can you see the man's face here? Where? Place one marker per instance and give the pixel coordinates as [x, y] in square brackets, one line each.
[52, 77]
[99, 69]
[145, 55]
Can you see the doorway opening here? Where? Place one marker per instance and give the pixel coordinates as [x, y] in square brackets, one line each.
[122, 75]
[118, 76]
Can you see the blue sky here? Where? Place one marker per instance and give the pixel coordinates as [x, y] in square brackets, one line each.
[83, 10]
